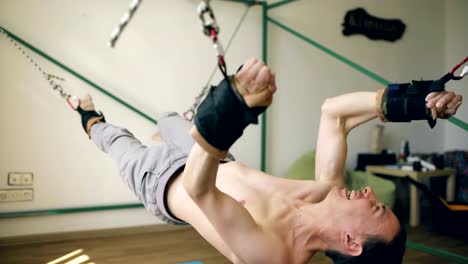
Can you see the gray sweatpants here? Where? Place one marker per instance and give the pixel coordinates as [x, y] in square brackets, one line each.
[147, 170]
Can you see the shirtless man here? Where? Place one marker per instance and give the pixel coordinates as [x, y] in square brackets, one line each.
[249, 216]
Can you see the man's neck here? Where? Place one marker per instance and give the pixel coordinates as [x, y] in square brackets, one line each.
[310, 228]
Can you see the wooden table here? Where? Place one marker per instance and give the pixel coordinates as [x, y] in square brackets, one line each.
[394, 171]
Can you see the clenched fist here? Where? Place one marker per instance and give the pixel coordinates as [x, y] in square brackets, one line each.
[256, 83]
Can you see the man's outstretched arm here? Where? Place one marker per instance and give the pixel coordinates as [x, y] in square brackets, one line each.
[339, 115]
[342, 113]
[230, 219]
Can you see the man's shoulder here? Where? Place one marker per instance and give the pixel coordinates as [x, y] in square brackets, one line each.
[278, 251]
[274, 251]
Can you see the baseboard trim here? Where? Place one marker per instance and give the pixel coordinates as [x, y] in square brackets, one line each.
[98, 233]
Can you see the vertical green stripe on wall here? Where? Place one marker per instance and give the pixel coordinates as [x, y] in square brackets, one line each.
[265, 59]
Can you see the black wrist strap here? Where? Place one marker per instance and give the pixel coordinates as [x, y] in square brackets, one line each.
[406, 102]
[86, 115]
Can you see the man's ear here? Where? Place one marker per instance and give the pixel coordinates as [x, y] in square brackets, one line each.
[353, 245]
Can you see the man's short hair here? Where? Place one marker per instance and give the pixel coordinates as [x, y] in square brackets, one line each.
[376, 250]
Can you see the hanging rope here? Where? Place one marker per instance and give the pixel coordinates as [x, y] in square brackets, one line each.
[72, 100]
[190, 113]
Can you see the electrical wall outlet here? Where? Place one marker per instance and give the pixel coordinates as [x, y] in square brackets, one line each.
[27, 179]
[16, 195]
[3, 196]
[20, 178]
[27, 194]
[14, 178]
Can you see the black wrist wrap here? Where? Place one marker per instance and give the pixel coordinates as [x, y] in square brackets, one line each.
[86, 115]
[406, 102]
[223, 115]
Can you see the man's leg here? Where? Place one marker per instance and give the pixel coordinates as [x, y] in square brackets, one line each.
[146, 170]
[123, 148]
[138, 165]
[175, 130]
[119, 143]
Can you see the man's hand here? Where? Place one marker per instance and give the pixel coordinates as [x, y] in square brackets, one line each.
[256, 83]
[89, 116]
[446, 103]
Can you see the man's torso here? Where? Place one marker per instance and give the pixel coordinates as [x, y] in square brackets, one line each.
[270, 200]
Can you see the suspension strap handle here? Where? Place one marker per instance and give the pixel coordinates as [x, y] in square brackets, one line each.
[451, 74]
[73, 102]
[211, 29]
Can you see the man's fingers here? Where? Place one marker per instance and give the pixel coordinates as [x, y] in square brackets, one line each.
[251, 62]
[256, 83]
[454, 101]
[451, 108]
[248, 74]
[449, 112]
[457, 99]
[254, 71]
[455, 108]
[261, 81]
[272, 84]
[444, 100]
[242, 75]
[263, 98]
[435, 97]
[431, 95]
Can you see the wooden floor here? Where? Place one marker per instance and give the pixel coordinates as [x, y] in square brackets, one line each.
[156, 244]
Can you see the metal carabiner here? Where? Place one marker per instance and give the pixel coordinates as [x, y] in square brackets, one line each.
[76, 104]
[451, 74]
[188, 115]
[464, 71]
[207, 18]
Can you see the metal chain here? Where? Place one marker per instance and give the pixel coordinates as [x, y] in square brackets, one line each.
[123, 22]
[49, 77]
[190, 113]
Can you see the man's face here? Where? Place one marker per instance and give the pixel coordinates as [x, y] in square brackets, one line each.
[361, 214]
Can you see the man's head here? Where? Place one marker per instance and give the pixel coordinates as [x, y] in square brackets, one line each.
[375, 250]
[364, 228]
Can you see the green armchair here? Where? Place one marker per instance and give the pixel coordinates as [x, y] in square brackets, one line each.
[304, 169]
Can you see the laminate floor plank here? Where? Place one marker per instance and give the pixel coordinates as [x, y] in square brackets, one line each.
[180, 245]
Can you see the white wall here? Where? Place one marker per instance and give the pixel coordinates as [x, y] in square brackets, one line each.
[307, 76]
[456, 48]
[161, 63]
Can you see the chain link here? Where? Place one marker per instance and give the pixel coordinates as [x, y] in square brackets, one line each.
[123, 22]
[49, 77]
